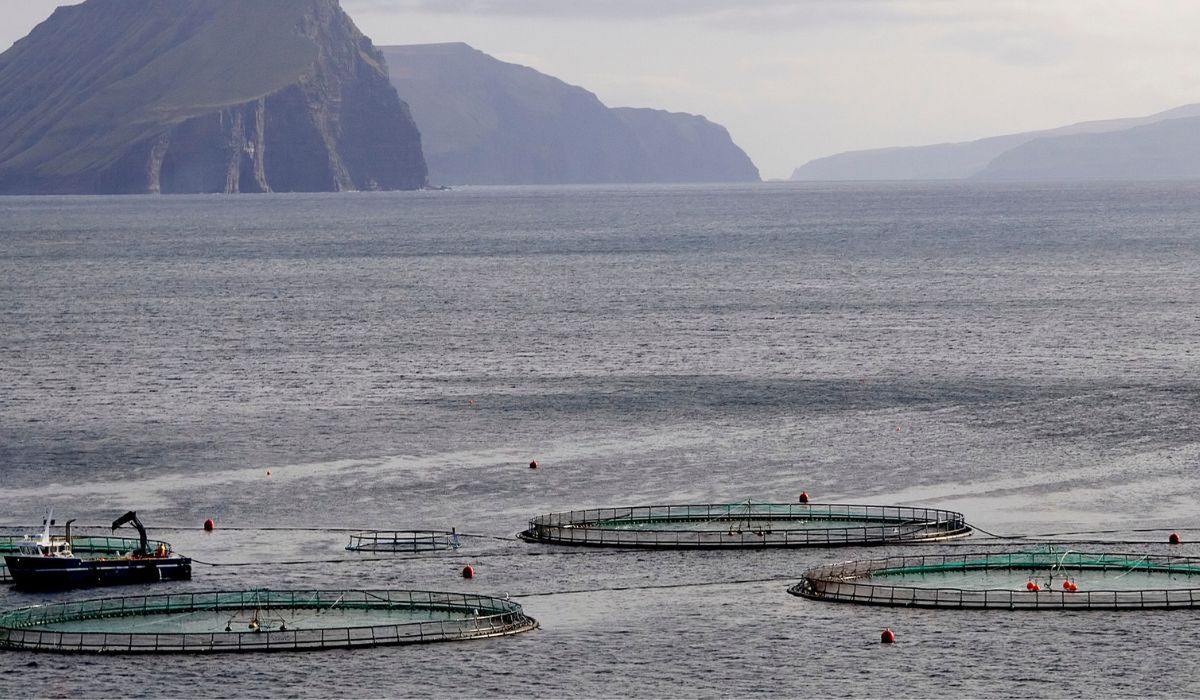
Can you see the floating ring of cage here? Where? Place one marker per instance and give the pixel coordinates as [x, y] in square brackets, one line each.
[746, 524]
[83, 546]
[403, 541]
[259, 620]
[1042, 579]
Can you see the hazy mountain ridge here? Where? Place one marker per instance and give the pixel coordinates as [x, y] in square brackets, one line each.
[135, 96]
[953, 161]
[1165, 150]
[485, 121]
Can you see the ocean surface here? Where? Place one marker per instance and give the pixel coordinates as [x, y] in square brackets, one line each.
[1026, 355]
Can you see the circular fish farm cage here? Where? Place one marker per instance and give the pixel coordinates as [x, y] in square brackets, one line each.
[1045, 579]
[259, 620]
[403, 541]
[745, 525]
[82, 545]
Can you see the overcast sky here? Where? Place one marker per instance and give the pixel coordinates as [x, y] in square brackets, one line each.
[798, 79]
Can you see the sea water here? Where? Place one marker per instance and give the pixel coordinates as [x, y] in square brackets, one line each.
[294, 366]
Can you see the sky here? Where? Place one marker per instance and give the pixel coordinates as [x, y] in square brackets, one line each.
[794, 80]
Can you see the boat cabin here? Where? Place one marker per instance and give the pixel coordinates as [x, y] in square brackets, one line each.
[57, 548]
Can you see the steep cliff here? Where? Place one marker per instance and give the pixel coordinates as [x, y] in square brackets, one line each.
[687, 147]
[484, 121]
[181, 96]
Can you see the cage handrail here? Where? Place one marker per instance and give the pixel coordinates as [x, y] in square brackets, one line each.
[851, 581]
[480, 616]
[881, 524]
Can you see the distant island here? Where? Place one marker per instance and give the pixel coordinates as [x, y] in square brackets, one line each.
[1165, 145]
[188, 96]
[487, 122]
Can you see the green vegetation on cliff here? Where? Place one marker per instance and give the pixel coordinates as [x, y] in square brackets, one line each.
[132, 96]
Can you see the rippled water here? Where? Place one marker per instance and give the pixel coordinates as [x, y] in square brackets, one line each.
[1024, 355]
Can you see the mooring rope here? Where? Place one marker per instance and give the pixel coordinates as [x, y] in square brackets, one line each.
[1133, 566]
[998, 542]
[429, 557]
[1105, 532]
[1042, 538]
[489, 537]
[1055, 537]
[976, 528]
[300, 562]
[774, 579]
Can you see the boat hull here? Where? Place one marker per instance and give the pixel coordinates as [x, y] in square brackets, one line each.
[49, 574]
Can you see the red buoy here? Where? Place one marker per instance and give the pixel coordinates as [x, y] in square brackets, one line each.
[533, 464]
[887, 636]
[804, 496]
[209, 525]
[468, 572]
[1174, 538]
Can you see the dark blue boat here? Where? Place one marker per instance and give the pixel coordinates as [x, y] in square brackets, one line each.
[49, 564]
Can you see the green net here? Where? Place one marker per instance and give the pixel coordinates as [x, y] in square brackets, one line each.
[1051, 560]
[745, 524]
[259, 620]
[1042, 578]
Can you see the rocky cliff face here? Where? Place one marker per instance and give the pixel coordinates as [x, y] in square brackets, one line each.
[487, 122]
[687, 148]
[183, 96]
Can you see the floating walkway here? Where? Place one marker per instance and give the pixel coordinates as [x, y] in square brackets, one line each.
[1043, 579]
[746, 525]
[259, 620]
[81, 545]
[403, 541]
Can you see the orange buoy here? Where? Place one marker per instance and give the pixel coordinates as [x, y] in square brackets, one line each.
[804, 496]
[209, 525]
[533, 464]
[468, 572]
[1174, 538]
[887, 636]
